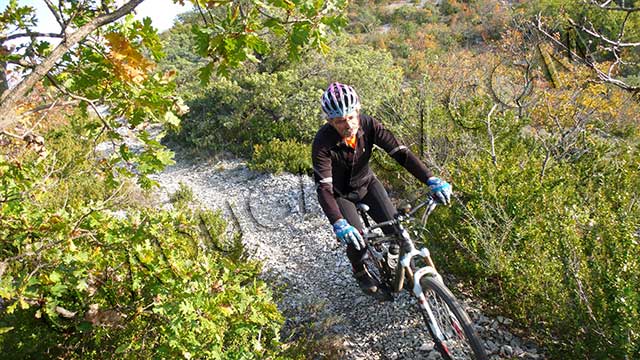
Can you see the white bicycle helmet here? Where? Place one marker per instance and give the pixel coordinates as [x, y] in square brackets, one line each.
[339, 100]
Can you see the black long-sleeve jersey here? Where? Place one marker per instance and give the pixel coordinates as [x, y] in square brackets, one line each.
[340, 170]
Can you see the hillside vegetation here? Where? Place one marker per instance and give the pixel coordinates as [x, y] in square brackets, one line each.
[542, 154]
[529, 108]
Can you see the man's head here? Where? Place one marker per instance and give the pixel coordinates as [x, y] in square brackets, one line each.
[348, 125]
[341, 104]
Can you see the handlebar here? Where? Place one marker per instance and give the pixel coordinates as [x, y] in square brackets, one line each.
[430, 203]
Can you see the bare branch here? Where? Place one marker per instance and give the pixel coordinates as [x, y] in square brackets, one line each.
[599, 73]
[597, 35]
[605, 6]
[622, 27]
[204, 18]
[547, 156]
[30, 34]
[56, 14]
[494, 159]
[91, 102]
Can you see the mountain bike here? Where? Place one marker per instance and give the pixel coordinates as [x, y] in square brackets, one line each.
[393, 261]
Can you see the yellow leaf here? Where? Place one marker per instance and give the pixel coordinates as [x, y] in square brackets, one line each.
[226, 310]
[129, 64]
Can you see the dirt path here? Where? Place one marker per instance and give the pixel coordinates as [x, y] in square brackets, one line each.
[282, 225]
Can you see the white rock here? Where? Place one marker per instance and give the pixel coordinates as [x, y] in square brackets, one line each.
[428, 346]
[506, 350]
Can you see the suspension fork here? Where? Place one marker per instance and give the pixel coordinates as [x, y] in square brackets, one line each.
[407, 252]
[405, 273]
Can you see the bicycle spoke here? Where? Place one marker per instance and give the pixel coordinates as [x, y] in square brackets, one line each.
[454, 342]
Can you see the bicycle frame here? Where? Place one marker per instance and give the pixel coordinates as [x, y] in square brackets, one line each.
[407, 249]
[403, 270]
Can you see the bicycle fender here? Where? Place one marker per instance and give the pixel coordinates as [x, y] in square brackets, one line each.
[417, 288]
[406, 259]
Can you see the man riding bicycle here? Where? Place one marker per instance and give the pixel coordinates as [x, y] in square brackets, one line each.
[340, 152]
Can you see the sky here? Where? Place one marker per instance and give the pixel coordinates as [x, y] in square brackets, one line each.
[161, 12]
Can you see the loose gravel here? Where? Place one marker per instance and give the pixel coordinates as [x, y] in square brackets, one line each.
[283, 226]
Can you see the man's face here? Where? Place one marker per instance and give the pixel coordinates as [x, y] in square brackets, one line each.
[347, 126]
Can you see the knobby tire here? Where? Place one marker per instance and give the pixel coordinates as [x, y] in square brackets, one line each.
[461, 340]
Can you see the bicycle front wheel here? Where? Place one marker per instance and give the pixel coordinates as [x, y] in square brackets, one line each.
[449, 324]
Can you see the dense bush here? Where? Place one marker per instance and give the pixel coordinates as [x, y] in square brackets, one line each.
[90, 273]
[550, 226]
[411, 14]
[560, 254]
[254, 107]
[277, 156]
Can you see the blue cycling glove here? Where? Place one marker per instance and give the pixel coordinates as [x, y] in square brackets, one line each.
[440, 189]
[347, 234]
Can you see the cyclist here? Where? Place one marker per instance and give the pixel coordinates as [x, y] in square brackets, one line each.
[340, 152]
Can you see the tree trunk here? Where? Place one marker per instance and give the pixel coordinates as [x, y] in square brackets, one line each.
[9, 98]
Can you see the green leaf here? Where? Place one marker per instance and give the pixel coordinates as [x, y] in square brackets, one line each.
[122, 348]
[165, 157]
[58, 290]
[82, 285]
[55, 277]
[300, 34]
[125, 153]
[84, 326]
[275, 26]
[204, 73]
[4, 330]
[258, 45]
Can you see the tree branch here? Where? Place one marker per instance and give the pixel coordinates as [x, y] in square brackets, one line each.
[599, 73]
[80, 98]
[597, 35]
[605, 6]
[30, 34]
[494, 159]
[22, 63]
[9, 99]
[55, 13]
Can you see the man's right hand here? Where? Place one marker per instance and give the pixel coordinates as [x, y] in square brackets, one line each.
[348, 234]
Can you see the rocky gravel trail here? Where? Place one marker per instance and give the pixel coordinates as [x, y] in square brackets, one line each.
[282, 225]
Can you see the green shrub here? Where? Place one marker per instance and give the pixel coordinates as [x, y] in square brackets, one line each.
[182, 197]
[411, 14]
[277, 156]
[76, 281]
[257, 105]
[213, 226]
[561, 255]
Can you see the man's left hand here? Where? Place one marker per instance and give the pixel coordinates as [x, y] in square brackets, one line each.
[440, 189]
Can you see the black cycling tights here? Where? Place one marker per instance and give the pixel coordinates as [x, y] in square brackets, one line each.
[380, 210]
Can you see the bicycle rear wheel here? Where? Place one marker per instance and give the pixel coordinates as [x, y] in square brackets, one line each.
[451, 328]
